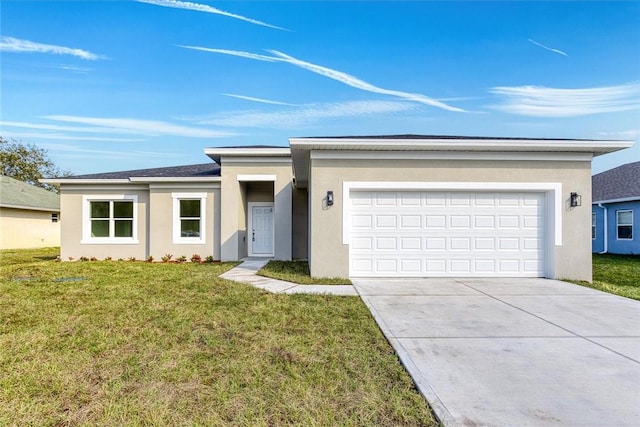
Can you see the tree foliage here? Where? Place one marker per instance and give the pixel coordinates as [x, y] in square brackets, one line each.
[28, 163]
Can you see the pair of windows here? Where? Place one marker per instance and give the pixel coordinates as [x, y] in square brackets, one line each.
[114, 219]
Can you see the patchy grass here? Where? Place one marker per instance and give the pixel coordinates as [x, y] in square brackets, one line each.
[134, 343]
[616, 274]
[297, 272]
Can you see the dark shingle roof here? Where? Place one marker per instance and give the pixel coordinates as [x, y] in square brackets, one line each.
[18, 194]
[622, 182]
[188, 171]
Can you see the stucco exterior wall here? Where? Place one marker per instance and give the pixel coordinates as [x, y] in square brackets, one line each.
[300, 224]
[161, 222]
[330, 257]
[23, 229]
[235, 195]
[71, 226]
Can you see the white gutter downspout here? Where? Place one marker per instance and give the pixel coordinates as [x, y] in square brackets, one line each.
[606, 230]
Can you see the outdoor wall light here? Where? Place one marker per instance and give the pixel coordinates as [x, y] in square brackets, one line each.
[575, 200]
[329, 198]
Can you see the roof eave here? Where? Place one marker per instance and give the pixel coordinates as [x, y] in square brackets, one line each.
[216, 154]
[597, 147]
[29, 208]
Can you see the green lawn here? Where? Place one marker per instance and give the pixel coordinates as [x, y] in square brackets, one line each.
[616, 274]
[298, 272]
[132, 343]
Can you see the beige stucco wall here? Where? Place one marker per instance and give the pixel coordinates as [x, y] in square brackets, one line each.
[330, 257]
[22, 229]
[71, 225]
[236, 194]
[300, 224]
[161, 221]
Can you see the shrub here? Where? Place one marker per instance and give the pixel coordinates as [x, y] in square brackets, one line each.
[132, 258]
[196, 258]
[84, 258]
[150, 258]
[209, 258]
[93, 258]
[167, 258]
[181, 259]
[108, 258]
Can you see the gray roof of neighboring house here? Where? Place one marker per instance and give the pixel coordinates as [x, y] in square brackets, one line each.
[622, 182]
[20, 195]
[188, 171]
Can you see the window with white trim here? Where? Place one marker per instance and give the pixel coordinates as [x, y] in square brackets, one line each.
[189, 218]
[593, 225]
[110, 219]
[624, 224]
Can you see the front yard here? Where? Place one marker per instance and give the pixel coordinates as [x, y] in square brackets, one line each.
[133, 343]
[616, 274]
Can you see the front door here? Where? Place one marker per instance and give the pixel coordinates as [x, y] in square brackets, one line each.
[261, 229]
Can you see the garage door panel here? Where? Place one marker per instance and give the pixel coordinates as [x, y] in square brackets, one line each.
[414, 233]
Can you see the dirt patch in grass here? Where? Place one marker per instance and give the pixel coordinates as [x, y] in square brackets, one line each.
[172, 344]
[298, 272]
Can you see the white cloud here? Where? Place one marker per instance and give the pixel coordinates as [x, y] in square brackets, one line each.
[548, 48]
[553, 102]
[260, 100]
[307, 114]
[40, 126]
[11, 44]
[207, 9]
[64, 137]
[143, 127]
[340, 76]
[625, 134]
[75, 151]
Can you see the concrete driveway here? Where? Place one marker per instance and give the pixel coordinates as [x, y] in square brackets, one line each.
[514, 352]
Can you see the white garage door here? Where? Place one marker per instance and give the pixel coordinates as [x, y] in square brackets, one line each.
[423, 234]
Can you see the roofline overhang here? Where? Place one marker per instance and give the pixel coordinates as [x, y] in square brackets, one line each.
[620, 200]
[132, 180]
[596, 147]
[216, 154]
[29, 208]
[301, 148]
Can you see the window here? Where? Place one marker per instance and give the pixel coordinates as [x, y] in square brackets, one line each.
[624, 223]
[109, 219]
[189, 217]
[593, 225]
[54, 217]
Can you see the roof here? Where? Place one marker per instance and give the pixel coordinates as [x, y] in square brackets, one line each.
[204, 169]
[619, 184]
[20, 195]
[475, 147]
[200, 172]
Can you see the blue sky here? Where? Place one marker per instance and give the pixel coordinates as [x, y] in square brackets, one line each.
[116, 85]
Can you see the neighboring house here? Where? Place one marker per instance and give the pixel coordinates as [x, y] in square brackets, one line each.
[381, 206]
[29, 215]
[615, 210]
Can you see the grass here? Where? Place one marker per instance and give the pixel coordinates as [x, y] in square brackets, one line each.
[616, 274]
[133, 343]
[298, 272]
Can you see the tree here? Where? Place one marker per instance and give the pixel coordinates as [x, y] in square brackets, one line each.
[28, 163]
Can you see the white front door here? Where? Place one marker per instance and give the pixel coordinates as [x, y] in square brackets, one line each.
[260, 229]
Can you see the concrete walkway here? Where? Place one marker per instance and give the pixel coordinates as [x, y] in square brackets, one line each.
[514, 352]
[246, 273]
